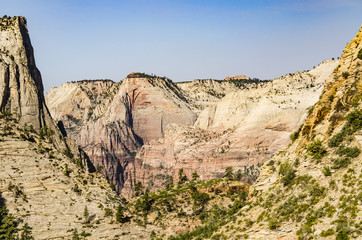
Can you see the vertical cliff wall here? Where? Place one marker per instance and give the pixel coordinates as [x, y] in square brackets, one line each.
[21, 86]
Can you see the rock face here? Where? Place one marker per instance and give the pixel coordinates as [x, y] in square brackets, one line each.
[146, 128]
[321, 191]
[44, 177]
[244, 128]
[21, 85]
[238, 77]
[110, 121]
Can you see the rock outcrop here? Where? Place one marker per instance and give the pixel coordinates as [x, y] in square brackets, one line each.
[44, 178]
[238, 77]
[111, 121]
[21, 86]
[245, 128]
[201, 126]
[312, 189]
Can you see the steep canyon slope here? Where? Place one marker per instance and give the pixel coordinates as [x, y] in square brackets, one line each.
[312, 189]
[44, 179]
[309, 190]
[146, 128]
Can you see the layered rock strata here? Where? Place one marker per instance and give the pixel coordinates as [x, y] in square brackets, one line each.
[201, 126]
[21, 86]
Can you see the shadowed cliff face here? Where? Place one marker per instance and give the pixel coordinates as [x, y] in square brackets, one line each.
[146, 129]
[21, 87]
[111, 121]
[21, 83]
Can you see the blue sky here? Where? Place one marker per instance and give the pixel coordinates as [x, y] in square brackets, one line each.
[183, 40]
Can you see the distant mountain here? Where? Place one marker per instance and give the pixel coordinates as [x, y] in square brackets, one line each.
[145, 128]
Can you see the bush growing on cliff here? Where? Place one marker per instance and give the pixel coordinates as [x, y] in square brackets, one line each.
[46, 132]
[86, 215]
[9, 225]
[351, 152]
[326, 171]
[181, 176]
[120, 215]
[316, 150]
[336, 140]
[340, 163]
[295, 135]
[229, 173]
[138, 189]
[360, 54]
[67, 152]
[195, 176]
[144, 203]
[7, 116]
[288, 172]
[345, 75]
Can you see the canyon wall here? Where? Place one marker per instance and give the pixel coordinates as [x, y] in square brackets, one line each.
[147, 128]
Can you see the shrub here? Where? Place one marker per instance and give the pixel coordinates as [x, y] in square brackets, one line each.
[345, 75]
[354, 118]
[354, 123]
[336, 140]
[67, 152]
[295, 135]
[138, 188]
[287, 171]
[316, 193]
[51, 154]
[67, 171]
[326, 171]
[340, 162]
[316, 150]
[200, 199]
[360, 54]
[120, 215]
[86, 215]
[351, 152]
[273, 224]
[107, 212]
[181, 176]
[229, 173]
[288, 207]
[195, 176]
[248, 223]
[342, 235]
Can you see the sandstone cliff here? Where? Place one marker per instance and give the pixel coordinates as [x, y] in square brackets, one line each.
[21, 86]
[44, 178]
[244, 128]
[110, 121]
[201, 126]
[312, 189]
[309, 190]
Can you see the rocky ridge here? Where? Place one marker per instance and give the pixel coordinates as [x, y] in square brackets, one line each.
[111, 124]
[21, 86]
[245, 128]
[309, 190]
[191, 125]
[312, 189]
[45, 180]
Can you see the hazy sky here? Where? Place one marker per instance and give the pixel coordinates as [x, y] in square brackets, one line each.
[183, 40]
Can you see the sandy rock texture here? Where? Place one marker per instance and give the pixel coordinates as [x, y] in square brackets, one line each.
[244, 128]
[147, 128]
[21, 84]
